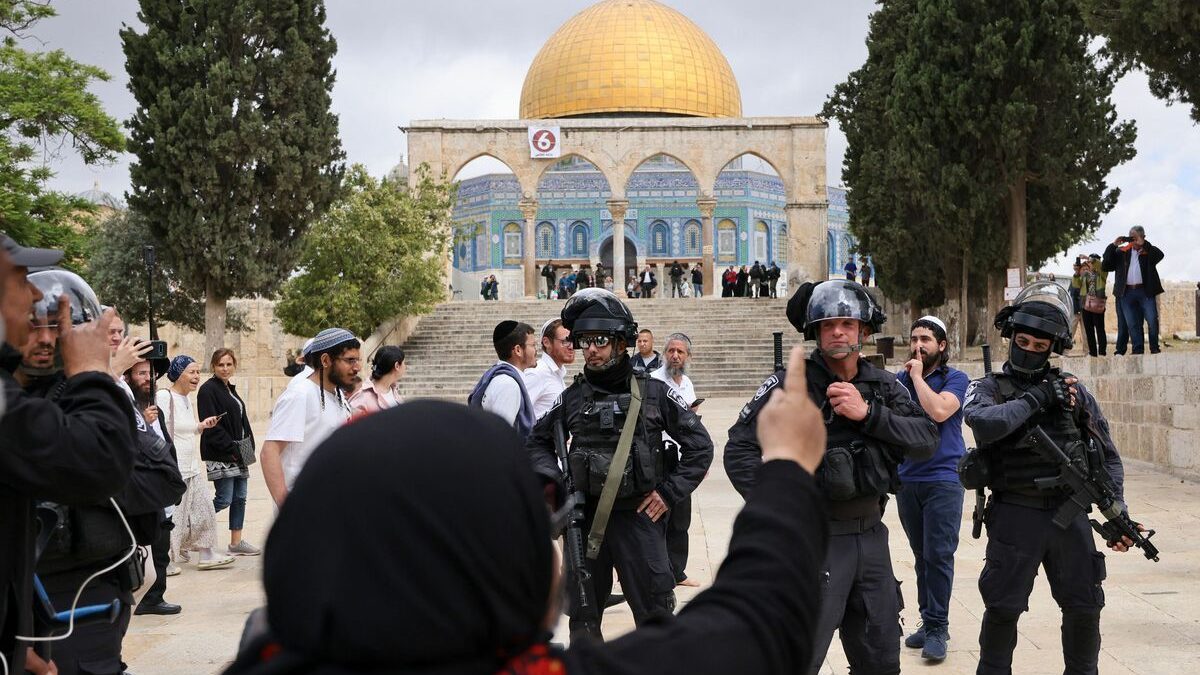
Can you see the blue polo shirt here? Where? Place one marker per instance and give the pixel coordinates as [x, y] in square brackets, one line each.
[943, 466]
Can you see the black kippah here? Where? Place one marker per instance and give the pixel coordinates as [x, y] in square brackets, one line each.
[503, 330]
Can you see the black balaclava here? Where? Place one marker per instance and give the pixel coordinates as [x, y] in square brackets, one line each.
[417, 540]
[1027, 364]
[614, 376]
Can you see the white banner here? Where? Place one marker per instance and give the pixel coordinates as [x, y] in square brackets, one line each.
[544, 142]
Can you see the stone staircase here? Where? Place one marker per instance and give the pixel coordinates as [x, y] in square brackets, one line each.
[731, 341]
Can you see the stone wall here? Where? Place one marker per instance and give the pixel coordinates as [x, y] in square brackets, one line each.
[1152, 403]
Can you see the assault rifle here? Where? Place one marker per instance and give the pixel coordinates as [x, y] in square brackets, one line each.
[1089, 487]
[582, 596]
[981, 492]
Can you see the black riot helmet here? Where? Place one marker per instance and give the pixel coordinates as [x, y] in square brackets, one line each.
[1041, 309]
[834, 299]
[54, 283]
[595, 310]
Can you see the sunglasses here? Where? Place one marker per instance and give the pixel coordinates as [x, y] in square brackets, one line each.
[585, 341]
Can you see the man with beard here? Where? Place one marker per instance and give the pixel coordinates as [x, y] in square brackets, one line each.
[615, 418]
[141, 383]
[930, 499]
[679, 519]
[306, 413]
[545, 381]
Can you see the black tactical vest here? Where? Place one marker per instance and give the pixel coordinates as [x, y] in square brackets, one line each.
[1014, 465]
[595, 432]
[855, 466]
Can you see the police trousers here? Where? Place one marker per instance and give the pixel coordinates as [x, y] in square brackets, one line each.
[94, 648]
[860, 598]
[637, 548]
[1021, 539]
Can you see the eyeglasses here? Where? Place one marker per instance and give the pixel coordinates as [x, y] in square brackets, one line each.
[585, 341]
[566, 342]
[351, 362]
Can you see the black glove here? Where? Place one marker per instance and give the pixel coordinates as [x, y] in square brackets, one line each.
[1049, 394]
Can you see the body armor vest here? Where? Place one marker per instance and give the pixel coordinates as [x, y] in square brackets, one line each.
[1014, 465]
[855, 466]
[595, 432]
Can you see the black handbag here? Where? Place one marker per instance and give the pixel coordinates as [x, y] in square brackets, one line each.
[245, 448]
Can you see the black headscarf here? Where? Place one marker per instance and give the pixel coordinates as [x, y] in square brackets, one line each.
[415, 540]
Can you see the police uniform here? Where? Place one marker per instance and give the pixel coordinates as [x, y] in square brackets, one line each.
[592, 411]
[860, 594]
[1001, 409]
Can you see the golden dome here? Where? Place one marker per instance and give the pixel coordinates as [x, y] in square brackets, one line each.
[630, 56]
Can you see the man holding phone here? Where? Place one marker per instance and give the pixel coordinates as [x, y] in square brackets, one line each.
[677, 353]
[1137, 286]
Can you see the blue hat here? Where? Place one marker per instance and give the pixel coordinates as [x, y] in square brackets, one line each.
[326, 340]
[178, 365]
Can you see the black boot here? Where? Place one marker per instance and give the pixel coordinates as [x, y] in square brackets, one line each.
[1081, 641]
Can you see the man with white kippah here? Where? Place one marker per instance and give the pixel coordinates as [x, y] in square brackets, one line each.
[307, 370]
[545, 381]
[930, 499]
[310, 408]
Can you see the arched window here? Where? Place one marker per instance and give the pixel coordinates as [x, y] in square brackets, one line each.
[512, 240]
[660, 238]
[545, 240]
[691, 238]
[781, 244]
[461, 261]
[832, 242]
[762, 236]
[727, 240]
[579, 239]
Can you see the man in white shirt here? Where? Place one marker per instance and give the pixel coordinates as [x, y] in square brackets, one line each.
[502, 390]
[674, 368]
[678, 352]
[310, 409]
[548, 379]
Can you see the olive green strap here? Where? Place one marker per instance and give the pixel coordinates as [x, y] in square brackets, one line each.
[608, 496]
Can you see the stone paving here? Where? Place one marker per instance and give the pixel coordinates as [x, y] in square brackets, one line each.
[1151, 624]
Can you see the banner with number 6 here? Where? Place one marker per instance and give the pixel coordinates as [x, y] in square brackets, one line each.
[543, 142]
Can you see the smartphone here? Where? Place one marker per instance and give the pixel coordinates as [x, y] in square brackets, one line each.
[222, 415]
[158, 350]
[697, 402]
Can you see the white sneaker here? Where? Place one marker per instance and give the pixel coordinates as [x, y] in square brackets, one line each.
[215, 562]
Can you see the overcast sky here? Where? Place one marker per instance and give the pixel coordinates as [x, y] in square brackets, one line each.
[400, 60]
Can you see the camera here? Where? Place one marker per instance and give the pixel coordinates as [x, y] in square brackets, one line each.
[158, 350]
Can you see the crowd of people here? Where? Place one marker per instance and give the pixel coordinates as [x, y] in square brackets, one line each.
[97, 463]
[759, 281]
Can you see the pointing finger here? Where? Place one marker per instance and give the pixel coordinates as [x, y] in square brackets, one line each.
[796, 380]
[64, 314]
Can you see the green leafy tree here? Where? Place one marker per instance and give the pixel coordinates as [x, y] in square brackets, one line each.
[378, 254]
[1161, 36]
[116, 270]
[44, 107]
[237, 150]
[969, 119]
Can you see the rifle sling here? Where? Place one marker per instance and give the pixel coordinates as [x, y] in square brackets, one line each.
[608, 496]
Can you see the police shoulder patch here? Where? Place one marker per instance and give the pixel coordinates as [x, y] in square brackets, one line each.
[556, 404]
[970, 395]
[766, 387]
[674, 396]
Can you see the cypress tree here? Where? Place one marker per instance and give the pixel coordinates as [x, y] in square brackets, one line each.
[237, 150]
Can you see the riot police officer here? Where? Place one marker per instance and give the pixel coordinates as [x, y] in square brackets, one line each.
[872, 424]
[593, 411]
[1001, 409]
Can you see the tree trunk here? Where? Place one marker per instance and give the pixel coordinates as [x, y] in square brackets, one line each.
[952, 314]
[214, 323]
[1017, 223]
[964, 307]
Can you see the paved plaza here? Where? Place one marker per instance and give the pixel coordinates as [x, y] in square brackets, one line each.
[1151, 624]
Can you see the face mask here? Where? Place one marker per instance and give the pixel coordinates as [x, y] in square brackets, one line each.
[1026, 362]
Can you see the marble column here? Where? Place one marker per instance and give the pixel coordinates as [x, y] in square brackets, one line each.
[529, 209]
[707, 205]
[808, 242]
[617, 208]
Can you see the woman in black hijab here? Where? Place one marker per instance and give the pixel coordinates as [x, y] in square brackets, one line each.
[428, 552]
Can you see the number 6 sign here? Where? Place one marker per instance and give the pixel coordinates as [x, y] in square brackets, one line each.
[543, 142]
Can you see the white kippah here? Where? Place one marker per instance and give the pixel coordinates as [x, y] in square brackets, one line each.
[934, 320]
